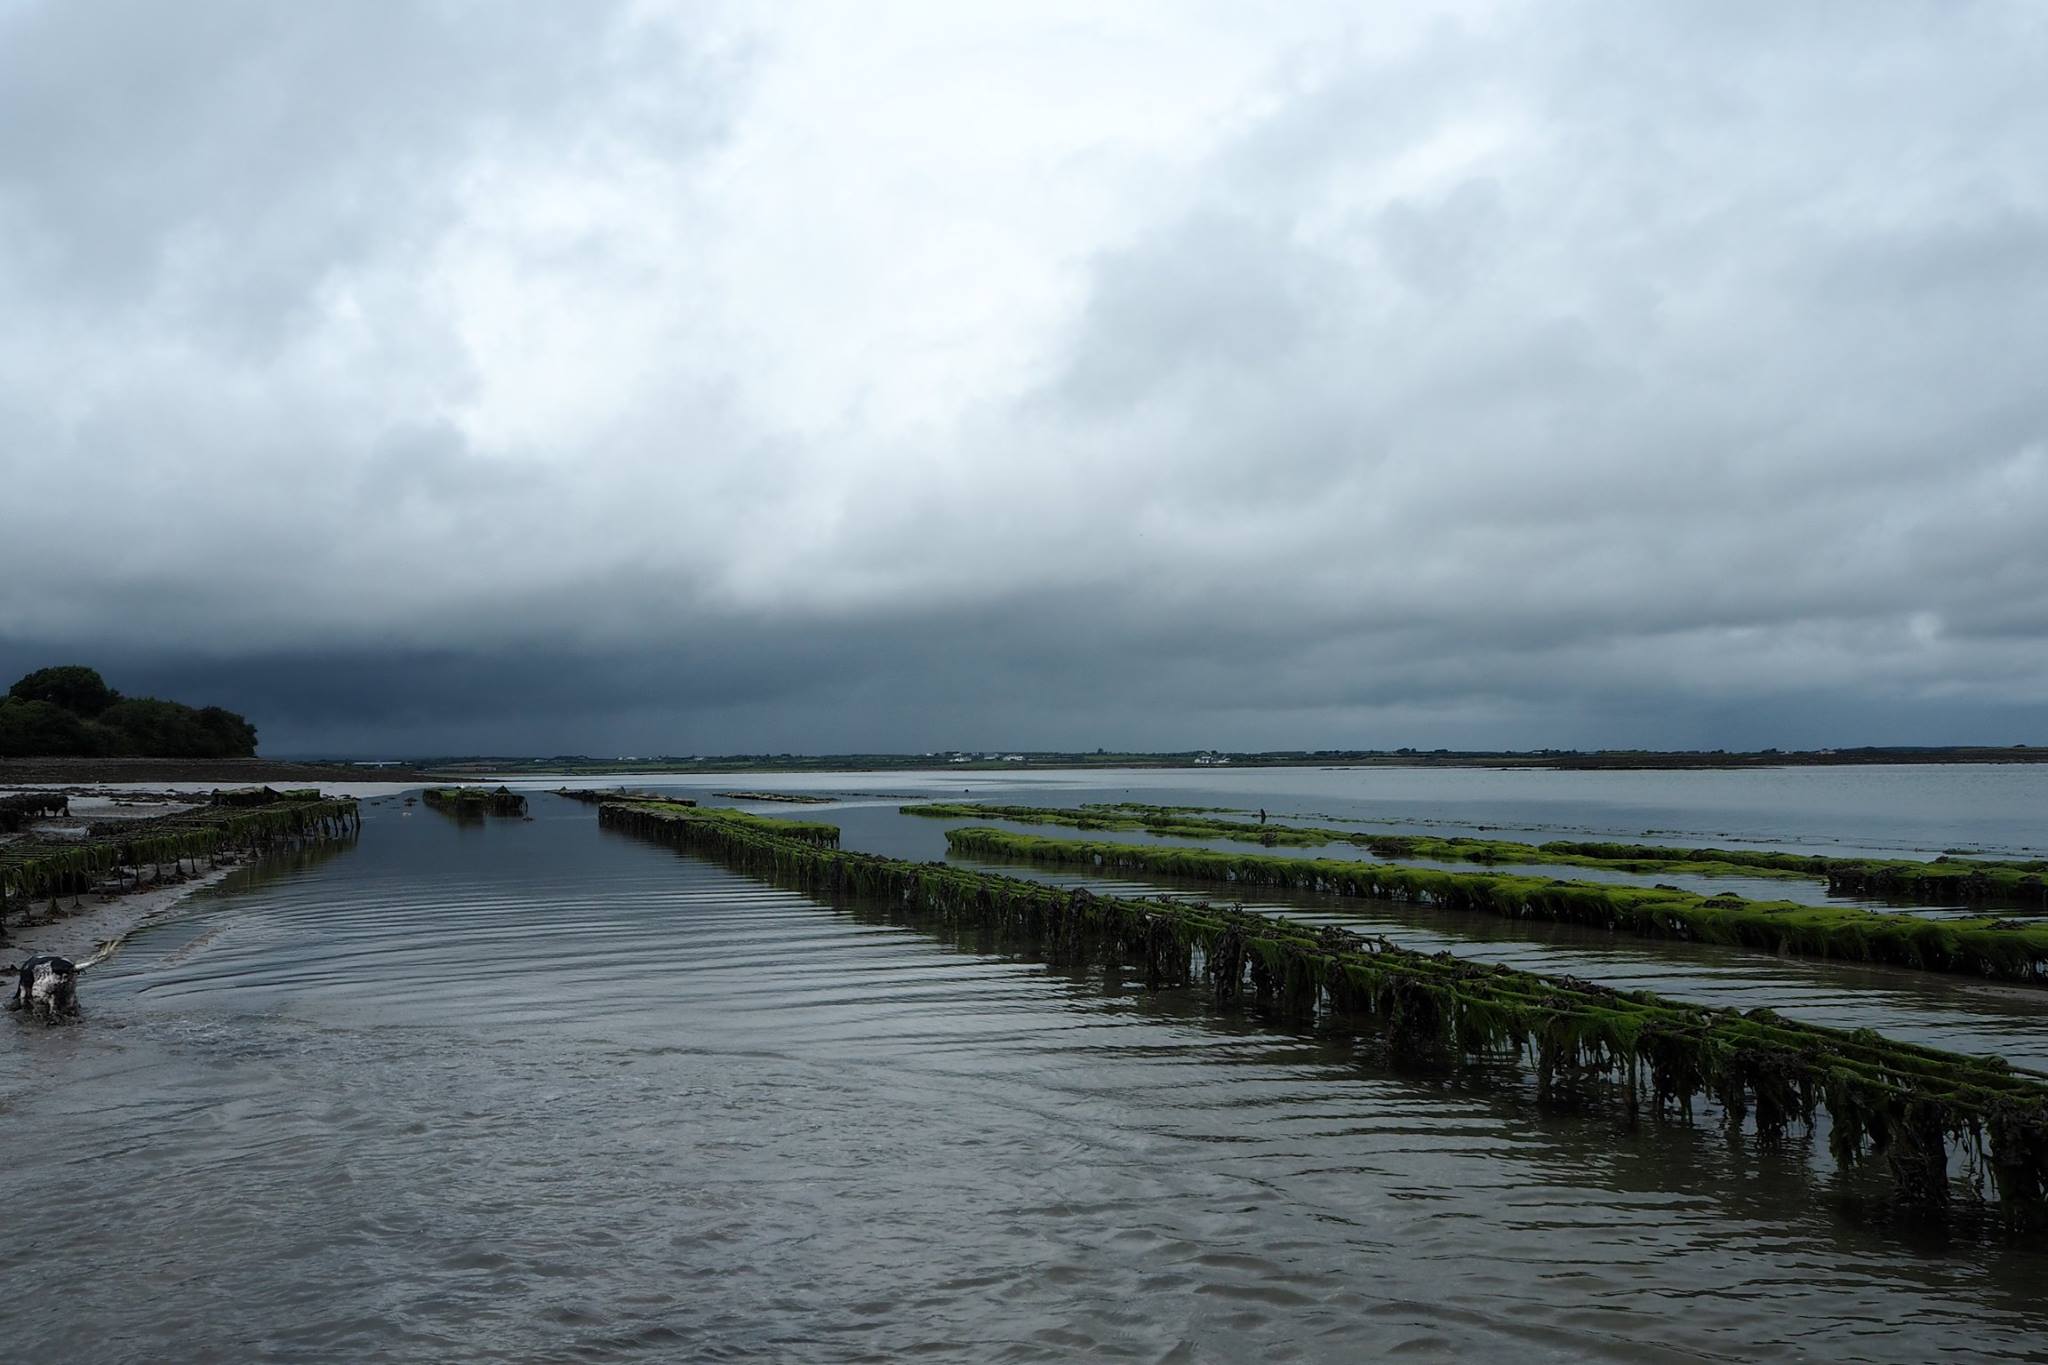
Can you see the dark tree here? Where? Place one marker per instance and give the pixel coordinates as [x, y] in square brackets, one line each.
[32, 728]
[71, 710]
[76, 688]
[169, 729]
[235, 735]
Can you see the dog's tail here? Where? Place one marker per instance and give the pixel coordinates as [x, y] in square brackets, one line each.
[101, 953]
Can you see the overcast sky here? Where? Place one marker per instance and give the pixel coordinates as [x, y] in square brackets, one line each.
[627, 378]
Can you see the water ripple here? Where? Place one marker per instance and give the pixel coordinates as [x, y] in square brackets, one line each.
[534, 1093]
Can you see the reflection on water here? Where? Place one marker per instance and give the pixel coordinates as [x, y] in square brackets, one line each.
[538, 1091]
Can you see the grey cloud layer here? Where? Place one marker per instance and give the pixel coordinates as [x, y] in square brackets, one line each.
[1555, 374]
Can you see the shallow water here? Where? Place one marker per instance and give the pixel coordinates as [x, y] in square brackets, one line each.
[1902, 810]
[534, 1090]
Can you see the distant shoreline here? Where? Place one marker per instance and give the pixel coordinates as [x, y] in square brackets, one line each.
[245, 772]
[1602, 760]
[226, 772]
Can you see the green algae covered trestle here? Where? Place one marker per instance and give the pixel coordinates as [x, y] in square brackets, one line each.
[591, 796]
[37, 868]
[656, 817]
[464, 802]
[2002, 950]
[1943, 1127]
[1945, 880]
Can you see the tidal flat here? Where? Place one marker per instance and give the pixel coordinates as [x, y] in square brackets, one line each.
[469, 1090]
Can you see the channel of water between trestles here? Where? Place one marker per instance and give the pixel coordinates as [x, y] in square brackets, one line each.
[1942, 1130]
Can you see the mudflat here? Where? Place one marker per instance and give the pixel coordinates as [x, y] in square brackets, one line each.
[237, 772]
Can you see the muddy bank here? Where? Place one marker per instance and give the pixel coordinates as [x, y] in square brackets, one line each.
[226, 772]
[49, 866]
[74, 884]
[90, 933]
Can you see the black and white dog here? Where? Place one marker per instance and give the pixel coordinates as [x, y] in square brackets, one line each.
[47, 988]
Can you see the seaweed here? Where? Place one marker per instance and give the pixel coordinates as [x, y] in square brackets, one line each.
[1968, 881]
[815, 833]
[475, 802]
[262, 796]
[31, 870]
[788, 798]
[2003, 950]
[597, 797]
[1894, 1107]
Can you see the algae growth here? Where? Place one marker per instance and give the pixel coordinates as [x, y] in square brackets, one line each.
[1945, 880]
[475, 802]
[2006, 950]
[31, 869]
[1894, 1107]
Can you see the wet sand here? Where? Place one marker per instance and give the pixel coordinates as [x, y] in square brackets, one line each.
[90, 933]
[222, 772]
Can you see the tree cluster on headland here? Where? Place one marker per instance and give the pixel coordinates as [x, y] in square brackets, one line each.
[70, 711]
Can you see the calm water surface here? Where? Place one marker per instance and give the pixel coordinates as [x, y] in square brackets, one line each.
[532, 1090]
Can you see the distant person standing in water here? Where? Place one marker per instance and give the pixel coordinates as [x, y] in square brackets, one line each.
[1262, 815]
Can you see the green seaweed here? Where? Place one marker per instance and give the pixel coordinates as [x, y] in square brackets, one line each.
[473, 802]
[1967, 881]
[33, 869]
[815, 833]
[1892, 1104]
[595, 797]
[1999, 949]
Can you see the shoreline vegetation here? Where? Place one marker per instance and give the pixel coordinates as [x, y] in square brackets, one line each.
[1913, 1113]
[70, 709]
[1996, 949]
[2015, 884]
[121, 856]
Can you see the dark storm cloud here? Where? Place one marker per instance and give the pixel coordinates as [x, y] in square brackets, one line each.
[417, 377]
